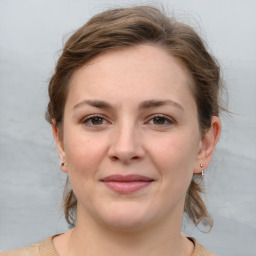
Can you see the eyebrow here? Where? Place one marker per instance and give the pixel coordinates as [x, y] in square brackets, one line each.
[94, 103]
[143, 105]
[157, 103]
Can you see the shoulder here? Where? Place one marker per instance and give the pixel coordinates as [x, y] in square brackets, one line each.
[200, 250]
[44, 248]
[32, 249]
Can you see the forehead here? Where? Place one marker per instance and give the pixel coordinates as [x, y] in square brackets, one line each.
[138, 71]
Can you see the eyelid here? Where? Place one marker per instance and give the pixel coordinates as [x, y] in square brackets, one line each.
[89, 117]
[169, 119]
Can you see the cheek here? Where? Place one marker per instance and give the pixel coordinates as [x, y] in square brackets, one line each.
[83, 154]
[175, 158]
[177, 150]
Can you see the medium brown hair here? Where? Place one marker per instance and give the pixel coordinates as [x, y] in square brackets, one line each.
[127, 27]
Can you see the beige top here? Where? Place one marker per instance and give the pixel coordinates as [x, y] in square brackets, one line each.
[46, 248]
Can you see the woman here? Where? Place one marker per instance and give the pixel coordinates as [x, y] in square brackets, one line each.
[134, 112]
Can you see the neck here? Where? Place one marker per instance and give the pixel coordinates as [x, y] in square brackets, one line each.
[90, 238]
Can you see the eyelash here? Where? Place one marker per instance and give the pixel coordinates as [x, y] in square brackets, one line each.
[88, 121]
[167, 120]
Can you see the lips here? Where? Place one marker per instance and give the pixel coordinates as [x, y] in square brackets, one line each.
[127, 183]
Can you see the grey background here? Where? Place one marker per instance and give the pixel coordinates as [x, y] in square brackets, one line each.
[31, 33]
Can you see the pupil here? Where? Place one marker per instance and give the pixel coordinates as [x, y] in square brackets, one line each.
[97, 120]
[159, 120]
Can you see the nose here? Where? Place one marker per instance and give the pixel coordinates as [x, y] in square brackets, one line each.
[126, 145]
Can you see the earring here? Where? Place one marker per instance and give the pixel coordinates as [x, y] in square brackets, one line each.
[62, 164]
[201, 166]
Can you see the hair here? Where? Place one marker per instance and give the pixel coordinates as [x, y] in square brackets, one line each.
[128, 27]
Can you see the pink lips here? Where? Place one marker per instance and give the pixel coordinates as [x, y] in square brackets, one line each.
[128, 183]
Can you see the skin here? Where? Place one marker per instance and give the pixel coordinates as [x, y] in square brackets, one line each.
[131, 134]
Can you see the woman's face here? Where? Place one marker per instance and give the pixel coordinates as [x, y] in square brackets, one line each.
[131, 138]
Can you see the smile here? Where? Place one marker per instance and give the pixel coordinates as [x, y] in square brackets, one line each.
[127, 184]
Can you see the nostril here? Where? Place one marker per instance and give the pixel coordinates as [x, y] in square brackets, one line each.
[115, 158]
[125, 151]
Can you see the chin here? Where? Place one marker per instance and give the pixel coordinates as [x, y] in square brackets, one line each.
[127, 217]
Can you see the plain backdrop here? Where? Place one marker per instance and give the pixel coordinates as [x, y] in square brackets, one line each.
[32, 33]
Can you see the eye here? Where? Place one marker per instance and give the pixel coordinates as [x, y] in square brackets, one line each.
[161, 120]
[94, 121]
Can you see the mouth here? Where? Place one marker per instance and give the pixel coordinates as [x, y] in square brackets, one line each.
[125, 184]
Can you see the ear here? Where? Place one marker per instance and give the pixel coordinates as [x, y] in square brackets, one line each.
[208, 144]
[59, 143]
